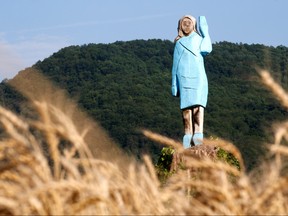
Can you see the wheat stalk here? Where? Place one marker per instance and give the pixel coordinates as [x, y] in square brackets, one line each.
[73, 180]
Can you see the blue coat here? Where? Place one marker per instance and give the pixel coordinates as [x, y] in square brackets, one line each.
[189, 80]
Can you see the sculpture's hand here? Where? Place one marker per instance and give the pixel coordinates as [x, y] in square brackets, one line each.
[203, 26]
[175, 92]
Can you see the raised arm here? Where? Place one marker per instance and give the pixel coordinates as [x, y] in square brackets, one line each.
[206, 44]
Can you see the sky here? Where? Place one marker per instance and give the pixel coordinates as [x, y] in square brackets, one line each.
[32, 30]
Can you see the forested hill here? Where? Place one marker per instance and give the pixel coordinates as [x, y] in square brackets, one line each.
[126, 86]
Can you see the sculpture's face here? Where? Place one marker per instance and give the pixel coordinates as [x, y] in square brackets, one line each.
[187, 26]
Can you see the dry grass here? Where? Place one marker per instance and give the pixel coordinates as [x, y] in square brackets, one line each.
[82, 173]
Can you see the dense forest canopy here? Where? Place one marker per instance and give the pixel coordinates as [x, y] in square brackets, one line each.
[126, 86]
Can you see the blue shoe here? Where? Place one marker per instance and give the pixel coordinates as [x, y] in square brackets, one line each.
[198, 138]
[187, 141]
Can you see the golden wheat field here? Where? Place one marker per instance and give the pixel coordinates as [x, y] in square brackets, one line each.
[84, 173]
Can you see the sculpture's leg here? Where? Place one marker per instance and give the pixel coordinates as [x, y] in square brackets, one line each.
[198, 122]
[188, 127]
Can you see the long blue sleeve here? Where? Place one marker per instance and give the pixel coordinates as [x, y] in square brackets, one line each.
[176, 58]
[206, 44]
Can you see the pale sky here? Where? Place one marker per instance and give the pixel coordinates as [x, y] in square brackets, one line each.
[32, 30]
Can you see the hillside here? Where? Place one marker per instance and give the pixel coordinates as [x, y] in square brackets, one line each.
[125, 86]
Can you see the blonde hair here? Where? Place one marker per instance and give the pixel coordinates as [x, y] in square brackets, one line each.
[180, 30]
